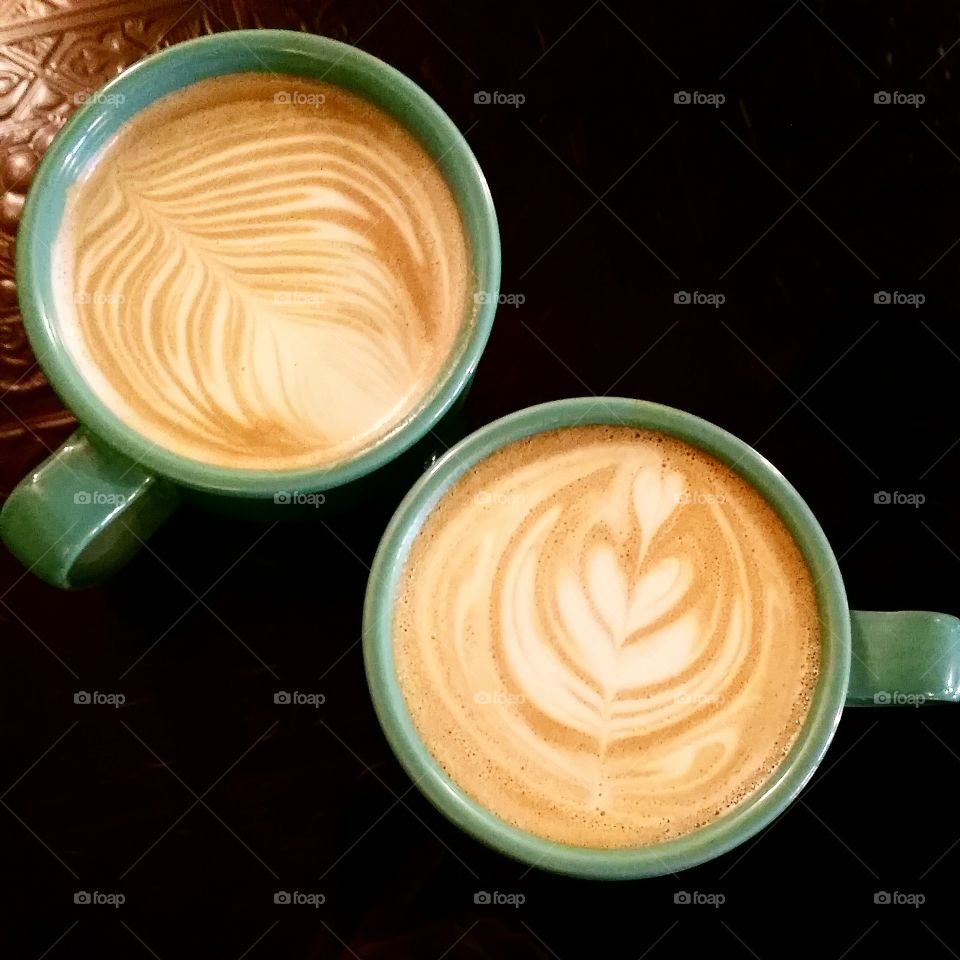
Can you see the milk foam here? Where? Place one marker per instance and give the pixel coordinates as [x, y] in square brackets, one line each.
[263, 272]
[606, 637]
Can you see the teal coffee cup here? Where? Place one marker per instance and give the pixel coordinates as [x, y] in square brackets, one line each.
[84, 511]
[866, 658]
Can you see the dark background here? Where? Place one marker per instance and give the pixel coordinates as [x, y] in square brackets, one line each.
[797, 199]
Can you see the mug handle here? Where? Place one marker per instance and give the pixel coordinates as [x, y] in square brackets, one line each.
[83, 513]
[904, 657]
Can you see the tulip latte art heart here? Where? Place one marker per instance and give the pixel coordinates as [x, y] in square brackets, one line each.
[606, 637]
[263, 272]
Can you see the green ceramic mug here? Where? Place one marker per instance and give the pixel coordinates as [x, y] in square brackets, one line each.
[87, 508]
[867, 658]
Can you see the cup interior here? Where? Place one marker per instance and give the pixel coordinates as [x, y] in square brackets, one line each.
[717, 837]
[258, 51]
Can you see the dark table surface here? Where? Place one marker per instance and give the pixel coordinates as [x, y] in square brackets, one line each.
[798, 199]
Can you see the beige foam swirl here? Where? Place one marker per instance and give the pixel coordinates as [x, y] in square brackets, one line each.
[606, 637]
[260, 283]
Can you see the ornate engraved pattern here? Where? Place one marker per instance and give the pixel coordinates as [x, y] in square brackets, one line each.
[52, 52]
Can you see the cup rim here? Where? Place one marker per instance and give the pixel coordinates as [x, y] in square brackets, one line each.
[671, 856]
[58, 169]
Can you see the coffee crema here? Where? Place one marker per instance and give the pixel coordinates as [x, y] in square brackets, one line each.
[605, 636]
[264, 272]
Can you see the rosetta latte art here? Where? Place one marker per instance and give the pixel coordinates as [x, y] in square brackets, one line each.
[263, 273]
[606, 637]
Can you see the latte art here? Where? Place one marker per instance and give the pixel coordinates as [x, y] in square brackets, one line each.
[606, 637]
[263, 272]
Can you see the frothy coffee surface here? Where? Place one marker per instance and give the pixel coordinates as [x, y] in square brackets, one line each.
[606, 637]
[263, 272]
